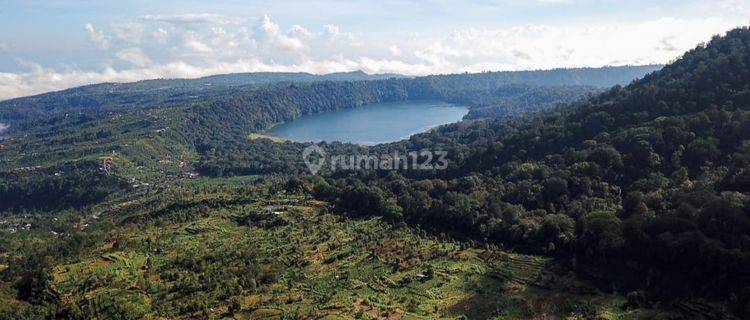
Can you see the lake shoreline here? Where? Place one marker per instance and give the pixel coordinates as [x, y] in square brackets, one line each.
[371, 124]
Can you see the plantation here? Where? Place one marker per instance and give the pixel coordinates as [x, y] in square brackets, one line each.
[274, 254]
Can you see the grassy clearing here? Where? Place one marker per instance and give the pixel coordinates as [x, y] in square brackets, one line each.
[255, 136]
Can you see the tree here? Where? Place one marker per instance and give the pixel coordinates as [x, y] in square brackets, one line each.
[600, 235]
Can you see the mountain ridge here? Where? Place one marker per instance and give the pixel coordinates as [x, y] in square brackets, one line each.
[336, 76]
[629, 186]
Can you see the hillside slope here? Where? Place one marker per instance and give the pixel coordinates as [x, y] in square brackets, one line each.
[20, 113]
[645, 187]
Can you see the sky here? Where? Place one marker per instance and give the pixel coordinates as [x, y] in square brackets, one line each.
[57, 44]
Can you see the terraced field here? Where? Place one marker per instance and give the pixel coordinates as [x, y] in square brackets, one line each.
[286, 257]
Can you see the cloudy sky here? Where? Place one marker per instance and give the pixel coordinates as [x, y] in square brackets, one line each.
[56, 44]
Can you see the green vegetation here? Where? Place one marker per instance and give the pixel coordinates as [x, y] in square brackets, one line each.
[131, 201]
[629, 187]
[244, 250]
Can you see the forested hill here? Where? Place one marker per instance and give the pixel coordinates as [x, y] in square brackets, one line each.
[148, 93]
[708, 84]
[243, 79]
[81, 123]
[604, 77]
[645, 187]
[123, 97]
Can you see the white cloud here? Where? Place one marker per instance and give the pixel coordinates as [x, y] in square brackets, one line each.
[270, 32]
[298, 31]
[333, 33]
[134, 56]
[550, 46]
[193, 18]
[193, 42]
[332, 30]
[160, 35]
[207, 45]
[666, 44]
[4, 127]
[129, 32]
[96, 36]
[394, 50]
[39, 79]
[737, 6]
[198, 47]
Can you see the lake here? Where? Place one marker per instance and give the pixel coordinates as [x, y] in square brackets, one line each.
[371, 124]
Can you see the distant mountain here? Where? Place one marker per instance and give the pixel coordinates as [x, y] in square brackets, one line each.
[598, 77]
[108, 97]
[603, 77]
[117, 97]
[256, 78]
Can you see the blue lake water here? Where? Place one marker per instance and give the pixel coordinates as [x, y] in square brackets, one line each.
[371, 124]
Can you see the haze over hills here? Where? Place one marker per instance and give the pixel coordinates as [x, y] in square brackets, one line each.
[598, 77]
[579, 193]
[143, 94]
[245, 79]
[188, 88]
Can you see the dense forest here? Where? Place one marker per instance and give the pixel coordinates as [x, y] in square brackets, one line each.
[80, 185]
[643, 189]
[629, 186]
